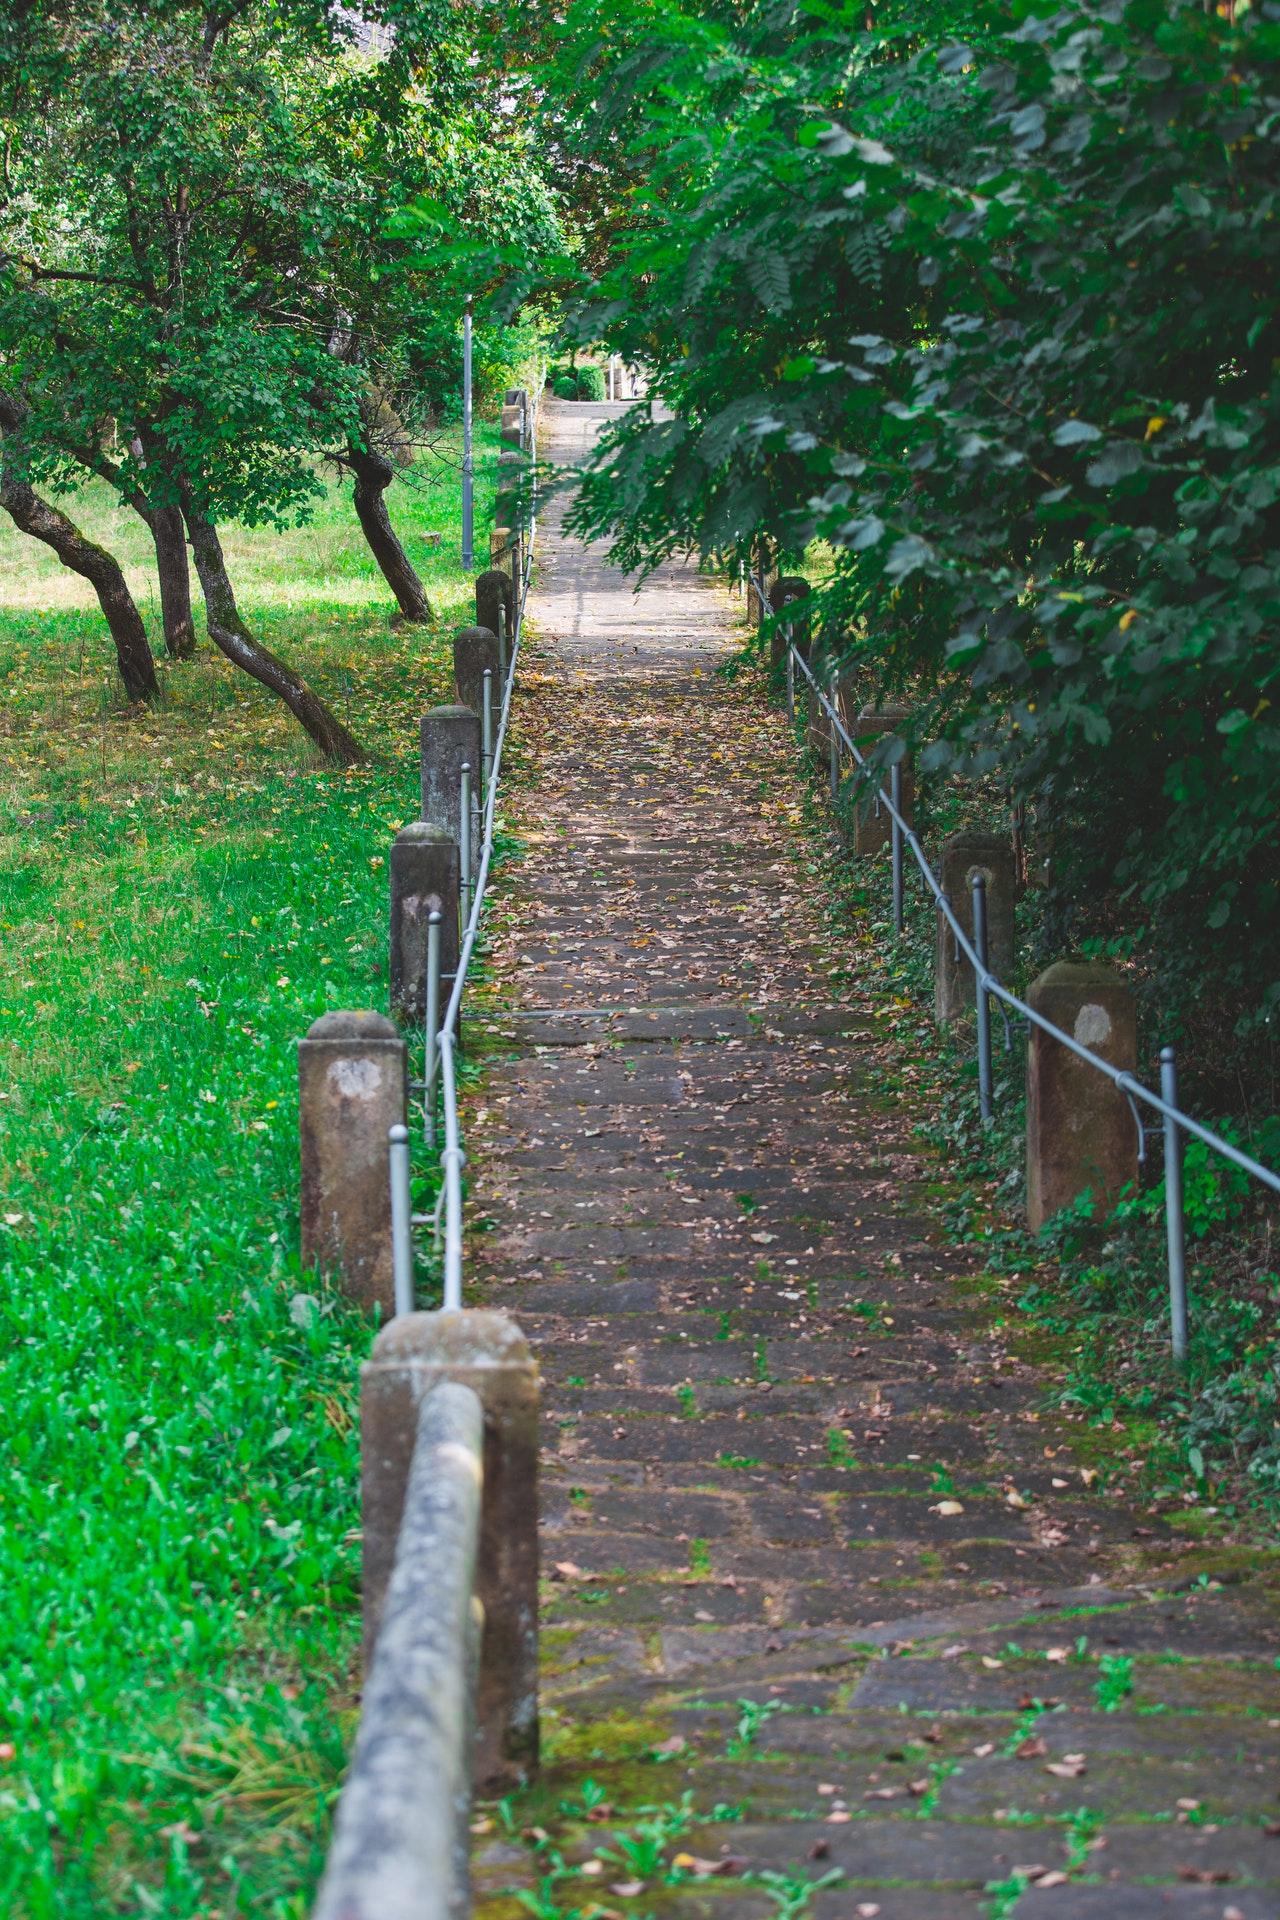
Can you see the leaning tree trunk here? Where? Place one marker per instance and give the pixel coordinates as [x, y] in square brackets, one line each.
[373, 476]
[43, 522]
[230, 635]
[175, 580]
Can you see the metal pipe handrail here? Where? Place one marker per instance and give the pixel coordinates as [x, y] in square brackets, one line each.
[453, 1157]
[400, 1839]
[1164, 1103]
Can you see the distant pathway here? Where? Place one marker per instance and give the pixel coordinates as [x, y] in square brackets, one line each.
[787, 1462]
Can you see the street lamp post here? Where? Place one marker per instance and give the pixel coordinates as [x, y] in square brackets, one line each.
[468, 474]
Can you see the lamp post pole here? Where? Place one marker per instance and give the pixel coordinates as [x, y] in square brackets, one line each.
[468, 476]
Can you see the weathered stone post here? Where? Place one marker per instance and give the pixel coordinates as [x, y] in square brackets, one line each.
[512, 428]
[352, 1071]
[963, 855]
[495, 590]
[474, 649]
[507, 508]
[1081, 1133]
[871, 827]
[450, 736]
[784, 591]
[424, 879]
[487, 1352]
[502, 545]
[764, 570]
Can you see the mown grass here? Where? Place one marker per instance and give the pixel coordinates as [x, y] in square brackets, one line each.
[181, 893]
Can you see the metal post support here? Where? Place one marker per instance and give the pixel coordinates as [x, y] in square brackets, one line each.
[835, 751]
[468, 465]
[791, 678]
[486, 732]
[502, 645]
[401, 1226]
[464, 842]
[895, 841]
[981, 1001]
[434, 936]
[1174, 1226]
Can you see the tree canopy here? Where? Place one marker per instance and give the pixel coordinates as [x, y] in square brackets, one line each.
[981, 308]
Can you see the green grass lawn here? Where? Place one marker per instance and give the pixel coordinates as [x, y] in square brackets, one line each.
[181, 893]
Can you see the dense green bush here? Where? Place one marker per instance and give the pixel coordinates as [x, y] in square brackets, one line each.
[577, 383]
[995, 320]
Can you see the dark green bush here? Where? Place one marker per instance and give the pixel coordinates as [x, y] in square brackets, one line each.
[993, 319]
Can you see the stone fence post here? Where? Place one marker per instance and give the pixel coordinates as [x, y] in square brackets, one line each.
[495, 592]
[474, 649]
[870, 827]
[784, 591]
[352, 1088]
[507, 510]
[424, 879]
[502, 548]
[450, 737]
[1081, 1134]
[487, 1352]
[764, 570]
[963, 855]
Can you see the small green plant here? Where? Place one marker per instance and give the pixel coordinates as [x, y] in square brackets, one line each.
[752, 1715]
[642, 1850]
[747, 1201]
[590, 1795]
[792, 1892]
[1115, 1681]
[700, 1559]
[839, 1451]
[688, 1400]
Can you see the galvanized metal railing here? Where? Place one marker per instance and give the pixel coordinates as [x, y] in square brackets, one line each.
[1175, 1123]
[441, 1035]
[400, 1840]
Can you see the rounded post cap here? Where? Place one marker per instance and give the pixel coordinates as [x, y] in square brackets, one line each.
[422, 833]
[360, 1025]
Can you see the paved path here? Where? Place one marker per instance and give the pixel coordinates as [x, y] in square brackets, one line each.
[812, 1551]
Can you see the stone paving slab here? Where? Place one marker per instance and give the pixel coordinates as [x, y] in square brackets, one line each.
[818, 1562]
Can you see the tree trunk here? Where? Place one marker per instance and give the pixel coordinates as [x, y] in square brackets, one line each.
[373, 476]
[79, 555]
[175, 581]
[231, 637]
